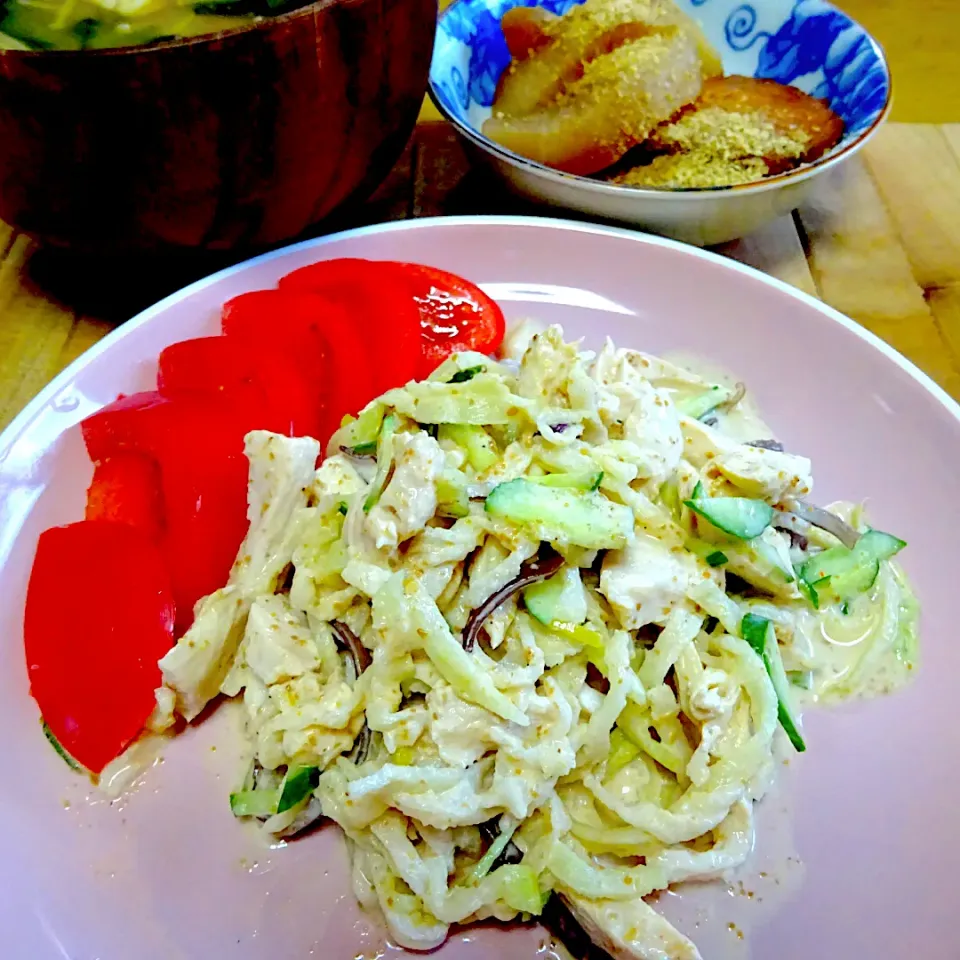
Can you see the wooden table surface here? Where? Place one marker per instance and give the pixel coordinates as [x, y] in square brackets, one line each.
[880, 241]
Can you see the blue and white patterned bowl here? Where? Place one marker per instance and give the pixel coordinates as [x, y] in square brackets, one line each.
[807, 43]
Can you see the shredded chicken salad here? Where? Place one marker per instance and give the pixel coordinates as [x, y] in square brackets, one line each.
[533, 628]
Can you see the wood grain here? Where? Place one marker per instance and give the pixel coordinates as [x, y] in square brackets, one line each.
[777, 250]
[945, 305]
[951, 132]
[856, 257]
[439, 169]
[880, 241]
[34, 333]
[861, 267]
[918, 176]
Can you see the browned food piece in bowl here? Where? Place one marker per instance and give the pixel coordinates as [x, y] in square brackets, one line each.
[621, 97]
[694, 170]
[743, 117]
[525, 30]
[550, 53]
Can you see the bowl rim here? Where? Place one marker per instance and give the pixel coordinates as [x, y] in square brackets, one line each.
[260, 24]
[605, 187]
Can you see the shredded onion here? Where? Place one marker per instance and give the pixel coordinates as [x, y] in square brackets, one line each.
[360, 655]
[308, 816]
[349, 452]
[828, 521]
[350, 642]
[544, 565]
[774, 445]
[739, 392]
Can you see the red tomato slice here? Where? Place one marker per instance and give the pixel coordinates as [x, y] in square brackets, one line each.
[380, 298]
[215, 367]
[266, 385]
[455, 314]
[158, 426]
[206, 503]
[341, 273]
[268, 317]
[120, 426]
[99, 615]
[126, 488]
[320, 332]
[198, 446]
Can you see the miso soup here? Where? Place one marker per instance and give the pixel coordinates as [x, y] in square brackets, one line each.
[97, 24]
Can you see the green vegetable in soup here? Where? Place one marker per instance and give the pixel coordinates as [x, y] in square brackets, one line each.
[100, 24]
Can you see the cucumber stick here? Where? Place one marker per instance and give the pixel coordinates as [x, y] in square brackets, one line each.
[297, 785]
[61, 752]
[759, 633]
[366, 449]
[483, 866]
[359, 435]
[254, 803]
[384, 461]
[708, 552]
[520, 888]
[590, 480]
[475, 442]
[670, 498]
[452, 497]
[462, 376]
[622, 751]
[882, 546]
[738, 516]
[578, 633]
[704, 403]
[559, 598]
[841, 572]
[583, 518]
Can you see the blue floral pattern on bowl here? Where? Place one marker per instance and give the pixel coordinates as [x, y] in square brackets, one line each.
[807, 43]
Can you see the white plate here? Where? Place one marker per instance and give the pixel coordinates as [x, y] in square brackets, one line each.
[873, 839]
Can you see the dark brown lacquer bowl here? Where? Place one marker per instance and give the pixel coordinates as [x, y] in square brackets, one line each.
[238, 140]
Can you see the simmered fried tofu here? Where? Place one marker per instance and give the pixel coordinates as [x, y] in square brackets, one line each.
[695, 169]
[583, 89]
[526, 30]
[552, 52]
[538, 80]
[744, 117]
[739, 130]
[620, 98]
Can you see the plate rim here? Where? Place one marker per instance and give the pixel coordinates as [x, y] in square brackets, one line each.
[21, 422]
[24, 423]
